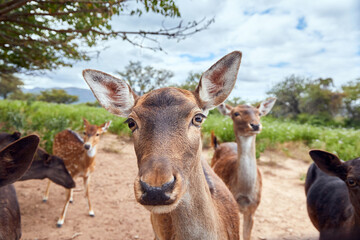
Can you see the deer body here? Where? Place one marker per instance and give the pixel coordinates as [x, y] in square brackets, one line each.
[79, 157]
[185, 197]
[332, 188]
[15, 159]
[235, 163]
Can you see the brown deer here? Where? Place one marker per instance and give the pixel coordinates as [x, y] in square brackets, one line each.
[15, 159]
[235, 163]
[332, 188]
[43, 166]
[79, 157]
[185, 197]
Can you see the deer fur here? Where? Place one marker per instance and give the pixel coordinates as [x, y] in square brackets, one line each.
[235, 163]
[15, 159]
[79, 154]
[185, 197]
[332, 188]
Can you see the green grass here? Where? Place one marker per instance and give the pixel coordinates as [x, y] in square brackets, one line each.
[341, 141]
[46, 119]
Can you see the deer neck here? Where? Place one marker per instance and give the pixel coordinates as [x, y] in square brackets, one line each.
[195, 217]
[246, 167]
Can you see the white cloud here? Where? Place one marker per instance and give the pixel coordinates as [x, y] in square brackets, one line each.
[265, 31]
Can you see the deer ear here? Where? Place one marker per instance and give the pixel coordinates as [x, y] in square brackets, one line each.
[329, 163]
[266, 106]
[16, 158]
[16, 135]
[114, 94]
[86, 122]
[218, 81]
[105, 126]
[225, 109]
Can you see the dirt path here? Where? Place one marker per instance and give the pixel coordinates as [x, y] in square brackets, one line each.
[281, 214]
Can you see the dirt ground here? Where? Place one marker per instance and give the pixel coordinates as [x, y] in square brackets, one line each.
[281, 215]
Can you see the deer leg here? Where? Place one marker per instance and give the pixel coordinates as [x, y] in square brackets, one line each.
[248, 224]
[86, 186]
[46, 195]
[71, 195]
[62, 217]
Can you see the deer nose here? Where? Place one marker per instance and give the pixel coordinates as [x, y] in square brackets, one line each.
[255, 127]
[157, 195]
[87, 146]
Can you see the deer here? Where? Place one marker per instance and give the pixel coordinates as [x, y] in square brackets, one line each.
[332, 189]
[79, 154]
[235, 163]
[185, 197]
[43, 165]
[15, 159]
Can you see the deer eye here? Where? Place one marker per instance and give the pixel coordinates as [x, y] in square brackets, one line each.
[351, 182]
[236, 114]
[84, 133]
[198, 119]
[97, 134]
[131, 124]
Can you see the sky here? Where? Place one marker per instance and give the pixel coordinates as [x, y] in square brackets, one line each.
[278, 38]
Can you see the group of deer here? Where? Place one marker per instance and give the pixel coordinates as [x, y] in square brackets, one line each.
[186, 197]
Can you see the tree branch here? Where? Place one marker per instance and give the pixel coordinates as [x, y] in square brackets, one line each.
[15, 4]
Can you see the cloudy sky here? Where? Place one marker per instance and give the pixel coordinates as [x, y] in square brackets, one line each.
[277, 38]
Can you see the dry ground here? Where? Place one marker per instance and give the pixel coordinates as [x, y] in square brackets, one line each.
[281, 214]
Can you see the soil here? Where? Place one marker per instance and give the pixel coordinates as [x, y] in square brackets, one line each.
[281, 215]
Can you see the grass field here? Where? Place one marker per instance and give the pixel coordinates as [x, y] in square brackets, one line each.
[46, 119]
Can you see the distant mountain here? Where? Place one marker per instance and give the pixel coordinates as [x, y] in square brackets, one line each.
[85, 95]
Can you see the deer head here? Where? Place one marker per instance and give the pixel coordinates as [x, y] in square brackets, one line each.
[246, 118]
[92, 134]
[16, 158]
[166, 128]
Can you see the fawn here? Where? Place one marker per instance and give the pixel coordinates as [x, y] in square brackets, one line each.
[79, 157]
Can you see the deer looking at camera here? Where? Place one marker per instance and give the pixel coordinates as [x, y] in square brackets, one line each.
[332, 189]
[185, 197]
[15, 159]
[79, 157]
[235, 163]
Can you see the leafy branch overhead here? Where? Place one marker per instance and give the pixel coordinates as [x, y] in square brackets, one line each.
[47, 34]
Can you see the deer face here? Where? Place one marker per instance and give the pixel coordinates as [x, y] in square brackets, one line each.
[166, 128]
[348, 171]
[246, 119]
[92, 136]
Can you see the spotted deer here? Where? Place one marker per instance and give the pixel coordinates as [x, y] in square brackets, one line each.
[15, 159]
[332, 188]
[185, 197]
[44, 165]
[235, 163]
[79, 157]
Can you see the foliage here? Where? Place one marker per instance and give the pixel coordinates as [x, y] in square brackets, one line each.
[47, 119]
[144, 79]
[39, 35]
[351, 92]
[57, 96]
[9, 84]
[235, 101]
[191, 81]
[343, 142]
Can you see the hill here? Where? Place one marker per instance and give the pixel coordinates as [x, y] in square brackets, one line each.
[85, 95]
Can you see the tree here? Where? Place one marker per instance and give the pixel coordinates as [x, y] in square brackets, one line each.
[20, 95]
[191, 81]
[9, 84]
[351, 92]
[288, 94]
[42, 34]
[57, 96]
[144, 79]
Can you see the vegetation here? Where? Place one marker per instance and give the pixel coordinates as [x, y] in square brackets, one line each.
[46, 119]
[9, 84]
[40, 35]
[144, 79]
